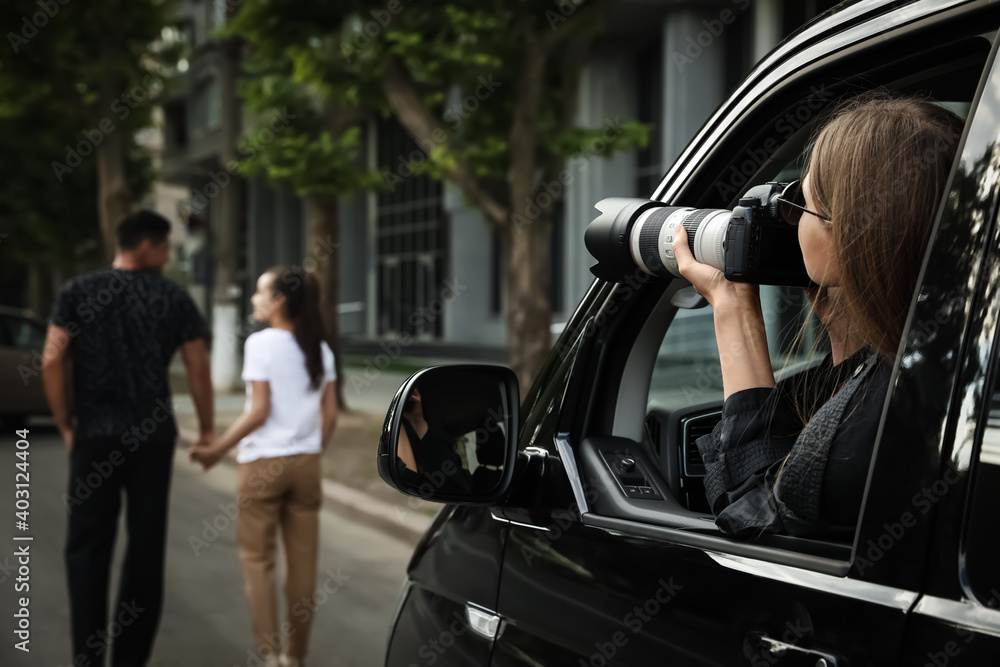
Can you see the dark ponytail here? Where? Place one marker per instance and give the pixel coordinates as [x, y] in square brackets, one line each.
[301, 291]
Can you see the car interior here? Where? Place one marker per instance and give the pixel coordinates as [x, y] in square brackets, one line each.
[658, 367]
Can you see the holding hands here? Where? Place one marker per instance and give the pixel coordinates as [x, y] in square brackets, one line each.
[207, 451]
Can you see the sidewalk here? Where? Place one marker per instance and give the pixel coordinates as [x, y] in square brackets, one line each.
[351, 482]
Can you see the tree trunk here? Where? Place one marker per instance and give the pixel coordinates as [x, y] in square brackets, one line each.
[114, 201]
[529, 315]
[323, 234]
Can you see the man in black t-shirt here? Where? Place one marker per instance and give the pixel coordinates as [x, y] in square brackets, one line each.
[119, 329]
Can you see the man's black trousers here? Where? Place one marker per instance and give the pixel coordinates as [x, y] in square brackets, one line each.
[101, 472]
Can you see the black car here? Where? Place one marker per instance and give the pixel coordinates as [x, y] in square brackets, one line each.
[577, 531]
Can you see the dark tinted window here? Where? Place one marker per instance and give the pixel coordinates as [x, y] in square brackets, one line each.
[21, 333]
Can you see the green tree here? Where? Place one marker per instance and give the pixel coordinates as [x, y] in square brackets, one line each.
[93, 66]
[490, 91]
[317, 155]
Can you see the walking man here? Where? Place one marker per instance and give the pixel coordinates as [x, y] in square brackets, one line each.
[119, 328]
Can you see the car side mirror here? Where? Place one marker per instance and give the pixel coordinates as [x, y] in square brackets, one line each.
[450, 434]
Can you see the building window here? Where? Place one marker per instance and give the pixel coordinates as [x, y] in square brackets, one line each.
[175, 125]
[207, 105]
[410, 244]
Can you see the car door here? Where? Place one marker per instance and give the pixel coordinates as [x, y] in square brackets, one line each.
[598, 577]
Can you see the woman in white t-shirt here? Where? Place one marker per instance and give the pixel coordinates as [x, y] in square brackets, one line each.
[289, 416]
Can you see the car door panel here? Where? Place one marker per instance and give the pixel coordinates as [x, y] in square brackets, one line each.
[606, 594]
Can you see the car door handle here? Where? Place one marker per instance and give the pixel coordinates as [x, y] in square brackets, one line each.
[790, 654]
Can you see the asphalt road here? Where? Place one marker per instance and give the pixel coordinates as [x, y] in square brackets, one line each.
[205, 620]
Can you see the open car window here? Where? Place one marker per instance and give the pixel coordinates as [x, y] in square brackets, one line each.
[672, 361]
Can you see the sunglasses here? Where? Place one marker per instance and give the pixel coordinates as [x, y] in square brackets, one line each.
[791, 204]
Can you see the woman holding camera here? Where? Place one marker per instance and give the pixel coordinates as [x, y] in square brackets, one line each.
[289, 416]
[793, 456]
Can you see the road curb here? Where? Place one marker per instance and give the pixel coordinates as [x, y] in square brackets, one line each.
[397, 520]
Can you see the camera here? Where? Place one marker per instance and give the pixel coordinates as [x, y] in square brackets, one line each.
[751, 244]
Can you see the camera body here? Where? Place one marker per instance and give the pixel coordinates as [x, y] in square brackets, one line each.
[750, 244]
[760, 247]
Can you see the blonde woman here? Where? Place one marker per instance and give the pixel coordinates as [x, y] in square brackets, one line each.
[290, 414]
[793, 457]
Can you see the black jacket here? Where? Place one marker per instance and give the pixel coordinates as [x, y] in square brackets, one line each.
[823, 463]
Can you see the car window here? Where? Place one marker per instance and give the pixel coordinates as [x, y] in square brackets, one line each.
[22, 333]
[4, 334]
[687, 370]
[685, 387]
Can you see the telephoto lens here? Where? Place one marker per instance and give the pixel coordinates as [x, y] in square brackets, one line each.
[640, 232]
[757, 242]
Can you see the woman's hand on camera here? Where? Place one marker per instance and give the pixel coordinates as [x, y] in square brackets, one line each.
[709, 281]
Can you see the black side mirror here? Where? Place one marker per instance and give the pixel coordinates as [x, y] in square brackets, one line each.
[450, 434]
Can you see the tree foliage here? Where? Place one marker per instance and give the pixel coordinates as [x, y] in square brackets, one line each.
[76, 82]
[489, 90]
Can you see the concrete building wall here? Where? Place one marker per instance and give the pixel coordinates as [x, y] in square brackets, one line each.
[607, 96]
[467, 316]
[353, 266]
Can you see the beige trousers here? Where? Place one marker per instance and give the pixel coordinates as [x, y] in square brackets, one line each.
[282, 491]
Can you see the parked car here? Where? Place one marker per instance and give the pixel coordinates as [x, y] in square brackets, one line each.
[22, 339]
[576, 530]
